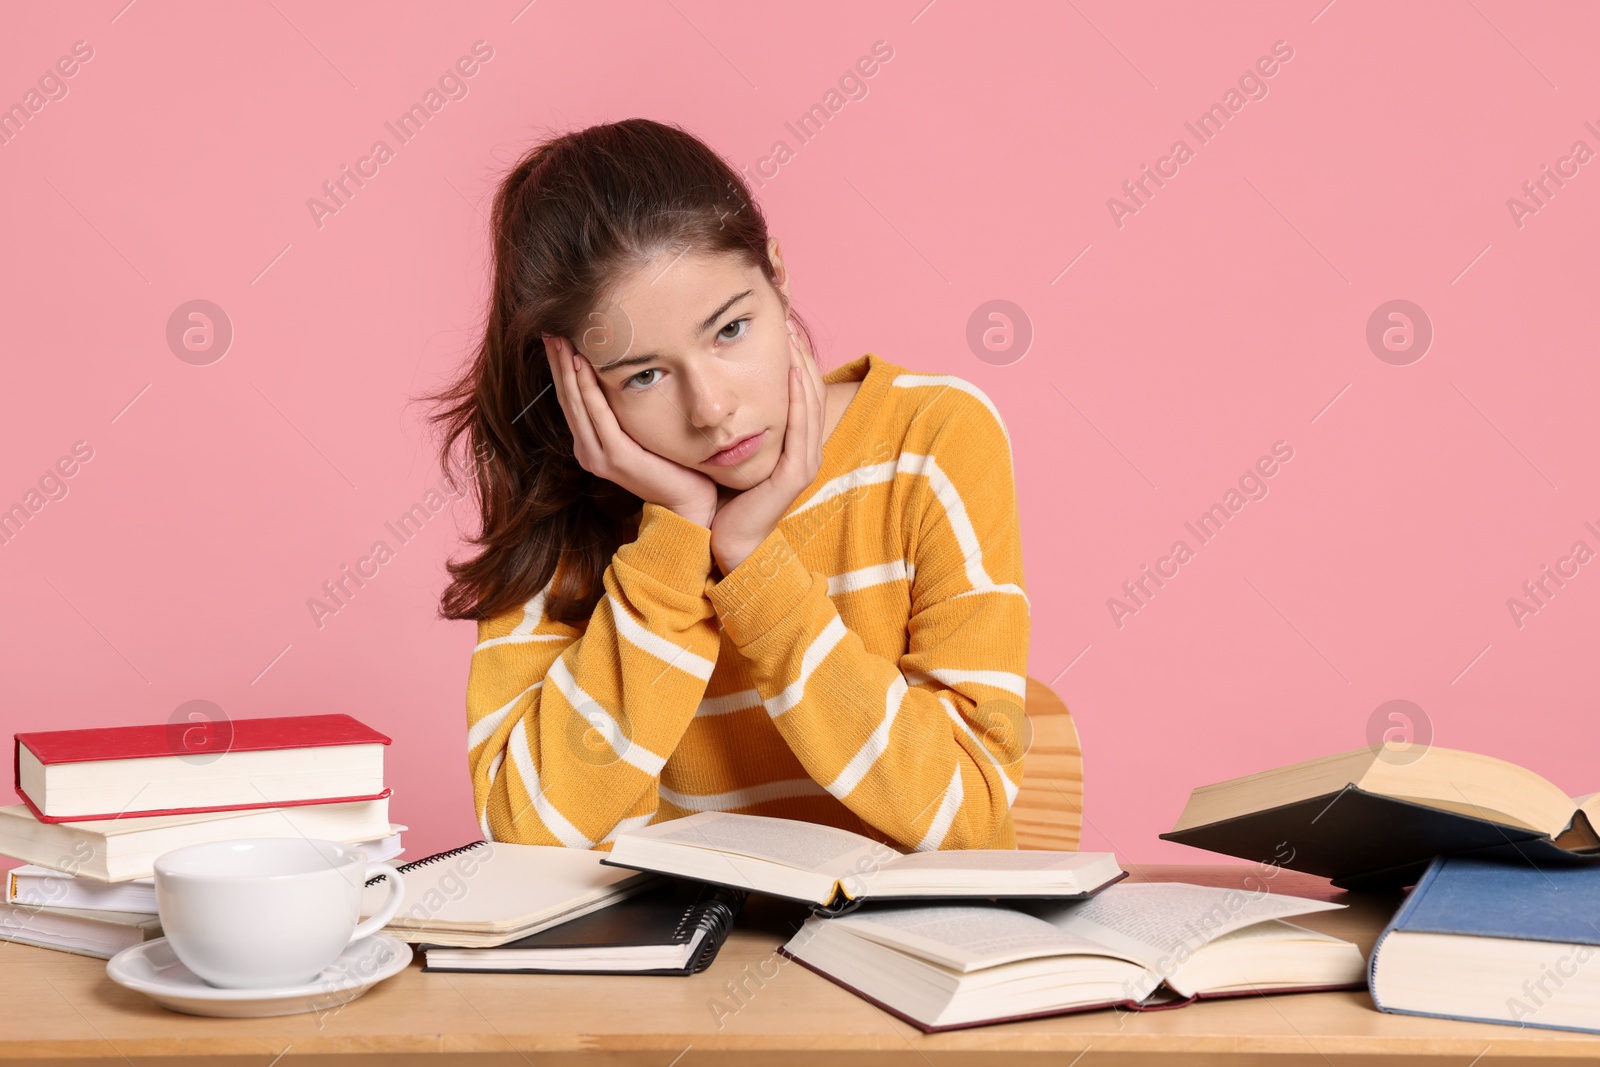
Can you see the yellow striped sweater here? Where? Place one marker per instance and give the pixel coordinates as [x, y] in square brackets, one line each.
[864, 667]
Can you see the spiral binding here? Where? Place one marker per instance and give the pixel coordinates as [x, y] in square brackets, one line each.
[717, 909]
[414, 864]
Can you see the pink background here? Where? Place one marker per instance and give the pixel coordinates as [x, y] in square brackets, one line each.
[1228, 313]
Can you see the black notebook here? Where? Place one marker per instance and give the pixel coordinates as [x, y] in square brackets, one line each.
[675, 927]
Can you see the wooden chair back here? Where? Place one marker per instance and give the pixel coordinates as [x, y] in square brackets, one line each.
[1048, 811]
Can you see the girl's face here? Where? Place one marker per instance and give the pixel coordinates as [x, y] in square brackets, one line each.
[693, 356]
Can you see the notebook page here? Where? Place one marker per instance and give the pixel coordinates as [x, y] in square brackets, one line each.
[499, 884]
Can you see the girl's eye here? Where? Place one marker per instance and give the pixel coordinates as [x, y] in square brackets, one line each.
[634, 383]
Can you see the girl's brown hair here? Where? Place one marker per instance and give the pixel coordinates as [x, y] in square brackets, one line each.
[573, 217]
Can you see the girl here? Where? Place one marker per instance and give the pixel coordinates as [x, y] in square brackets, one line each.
[712, 577]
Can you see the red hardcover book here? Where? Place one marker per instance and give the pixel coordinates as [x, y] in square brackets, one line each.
[198, 753]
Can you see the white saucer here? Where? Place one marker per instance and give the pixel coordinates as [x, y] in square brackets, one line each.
[154, 969]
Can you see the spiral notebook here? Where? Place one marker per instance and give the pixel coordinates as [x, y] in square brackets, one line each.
[487, 893]
[673, 928]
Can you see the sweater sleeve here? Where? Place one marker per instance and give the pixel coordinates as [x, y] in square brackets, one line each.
[568, 727]
[927, 749]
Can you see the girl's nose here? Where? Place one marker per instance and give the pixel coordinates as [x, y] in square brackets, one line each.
[709, 400]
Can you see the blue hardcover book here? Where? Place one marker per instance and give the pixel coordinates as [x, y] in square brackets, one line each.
[1494, 941]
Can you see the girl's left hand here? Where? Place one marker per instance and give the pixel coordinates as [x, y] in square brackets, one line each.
[744, 519]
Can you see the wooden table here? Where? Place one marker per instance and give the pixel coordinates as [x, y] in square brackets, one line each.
[57, 1008]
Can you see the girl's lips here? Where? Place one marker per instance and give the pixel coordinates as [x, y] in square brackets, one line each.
[739, 452]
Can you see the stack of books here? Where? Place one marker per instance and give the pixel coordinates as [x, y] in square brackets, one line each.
[540, 909]
[1500, 925]
[99, 805]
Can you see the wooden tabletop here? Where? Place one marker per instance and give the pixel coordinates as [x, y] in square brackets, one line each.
[57, 1007]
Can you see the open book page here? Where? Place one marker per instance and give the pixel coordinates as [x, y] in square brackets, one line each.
[988, 859]
[1271, 952]
[808, 846]
[988, 871]
[963, 937]
[1272, 930]
[1161, 924]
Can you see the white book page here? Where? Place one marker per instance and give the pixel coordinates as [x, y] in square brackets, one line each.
[805, 845]
[984, 872]
[992, 859]
[1267, 945]
[1160, 924]
[1274, 930]
[963, 937]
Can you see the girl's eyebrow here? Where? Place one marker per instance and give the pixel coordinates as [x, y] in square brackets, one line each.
[710, 321]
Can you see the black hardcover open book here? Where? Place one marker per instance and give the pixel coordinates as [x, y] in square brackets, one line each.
[833, 870]
[1365, 820]
[677, 927]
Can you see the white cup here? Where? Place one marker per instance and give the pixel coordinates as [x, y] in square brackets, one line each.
[266, 912]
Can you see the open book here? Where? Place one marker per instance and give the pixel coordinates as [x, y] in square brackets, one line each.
[1374, 818]
[1142, 946]
[833, 870]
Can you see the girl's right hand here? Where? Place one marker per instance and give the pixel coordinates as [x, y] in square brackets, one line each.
[604, 449]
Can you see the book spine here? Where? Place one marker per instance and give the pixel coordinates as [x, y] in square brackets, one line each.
[1145, 1005]
[1414, 897]
[1372, 966]
[839, 905]
[1397, 922]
